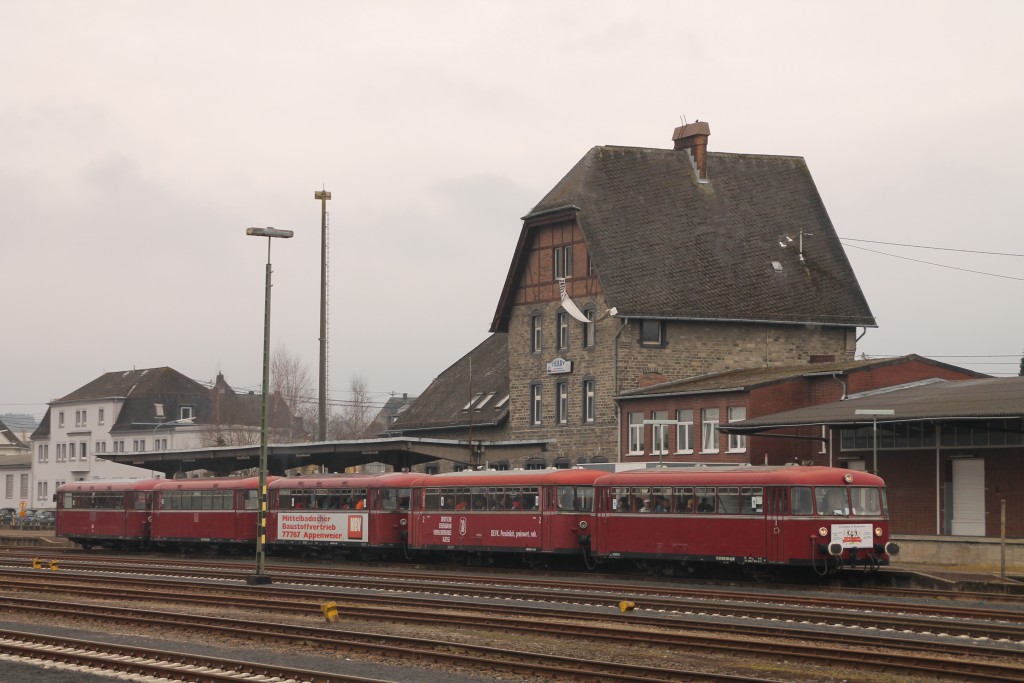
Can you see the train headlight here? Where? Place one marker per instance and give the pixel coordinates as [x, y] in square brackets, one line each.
[403, 521]
[823, 532]
[583, 524]
[848, 478]
[878, 531]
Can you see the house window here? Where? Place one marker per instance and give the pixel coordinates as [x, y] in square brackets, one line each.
[636, 433]
[563, 330]
[588, 400]
[589, 328]
[501, 404]
[536, 333]
[684, 431]
[709, 435]
[85, 418]
[99, 416]
[78, 418]
[41, 487]
[563, 261]
[9, 486]
[562, 406]
[659, 433]
[651, 333]
[187, 413]
[535, 404]
[71, 452]
[737, 442]
[82, 451]
[591, 271]
[60, 419]
[23, 486]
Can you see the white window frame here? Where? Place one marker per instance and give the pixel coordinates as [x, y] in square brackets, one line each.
[737, 442]
[60, 419]
[659, 433]
[99, 416]
[536, 404]
[684, 431]
[589, 408]
[186, 412]
[636, 434]
[562, 403]
[709, 418]
[536, 333]
[563, 330]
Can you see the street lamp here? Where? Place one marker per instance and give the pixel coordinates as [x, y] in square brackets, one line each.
[874, 413]
[261, 515]
[182, 421]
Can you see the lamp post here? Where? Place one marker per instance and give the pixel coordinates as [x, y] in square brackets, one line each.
[874, 432]
[261, 514]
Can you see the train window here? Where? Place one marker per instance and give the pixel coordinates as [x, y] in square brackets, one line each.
[683, 500]
[705, 498]
[661, 500]
[388, 499]
[728, 500]
[751, 500]
[139, 501]
[641, 499]
[479, 498]
[800, 496]
[865, 501]
[531, 498]
[250, 500]
[432, 500]
[565, 497]
[404, 498]
[620, 499]
[584, 499]
[495, 498]
[831, 500]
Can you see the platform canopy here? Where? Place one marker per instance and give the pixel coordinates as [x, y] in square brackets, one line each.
[398, 452]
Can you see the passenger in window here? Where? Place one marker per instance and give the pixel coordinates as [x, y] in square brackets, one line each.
[646, 507]
[705, 506]
[660, 504]
[624, 504]
[461, 503]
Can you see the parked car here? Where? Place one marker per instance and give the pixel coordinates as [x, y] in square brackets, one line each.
[8, 516]
[44, 519]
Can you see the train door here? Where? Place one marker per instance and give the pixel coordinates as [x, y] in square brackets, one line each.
[776, 509]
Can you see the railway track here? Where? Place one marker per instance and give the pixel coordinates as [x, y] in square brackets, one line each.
[944, 659]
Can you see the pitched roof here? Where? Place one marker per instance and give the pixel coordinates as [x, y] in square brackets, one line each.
[668, 246]
[442, 405]
[124, 384]
[749, 378]
[996, 398]
[392, 408]
[9, 436]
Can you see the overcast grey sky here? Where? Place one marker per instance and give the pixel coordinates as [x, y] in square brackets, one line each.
[139, 140]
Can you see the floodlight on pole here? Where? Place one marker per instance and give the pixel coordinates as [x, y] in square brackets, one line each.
[261, 515]
[874, 413]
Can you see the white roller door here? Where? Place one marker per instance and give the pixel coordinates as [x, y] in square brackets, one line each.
[969, 497]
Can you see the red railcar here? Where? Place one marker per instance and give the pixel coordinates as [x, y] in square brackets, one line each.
[211, 511]
[532, 512]
[365, 513]
[107, 513]
[799, 516]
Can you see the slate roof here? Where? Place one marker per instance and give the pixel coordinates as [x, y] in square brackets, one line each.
[393, 407]
[7, 435]
[967, 399]
[123, 384]
[749, 378]
[668, 246]
[441, 405]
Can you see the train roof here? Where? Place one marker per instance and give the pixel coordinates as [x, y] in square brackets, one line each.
[513, 478]
[210, 483]
[95, 485]
[370, 481]
[786, 475]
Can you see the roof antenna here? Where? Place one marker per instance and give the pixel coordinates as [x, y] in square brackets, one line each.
[682, 120]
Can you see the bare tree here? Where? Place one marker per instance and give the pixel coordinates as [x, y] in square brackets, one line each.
[290, 382]
[356, 414]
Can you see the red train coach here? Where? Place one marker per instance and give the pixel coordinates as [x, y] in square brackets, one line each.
[366, 513]
[107, 513]
[218, 511]
[820, 517]
[533, 512]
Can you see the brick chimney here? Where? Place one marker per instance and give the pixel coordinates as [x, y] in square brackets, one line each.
[693, 137]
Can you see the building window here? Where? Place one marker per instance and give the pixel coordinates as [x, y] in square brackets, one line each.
[636, 433]
[41, 487]
[535, 404]
[591, 270]
[659, 433]
[737, 442]
[23, 486]
[9, 487]
[709, 435]
[85, 418]
[160, 445]
[588, 401]
[652, 333]
[60, 419]
[562, 406]
[78, 418]
[536, 333]
[589, 328]
[684, 431]
[71, 452]
[82, 451]
[186, 413]
[563, 261]
[99, 416]
[563, 330]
